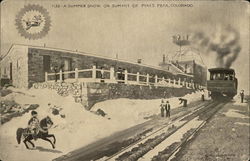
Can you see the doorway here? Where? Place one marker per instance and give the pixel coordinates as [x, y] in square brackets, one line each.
[11, 72]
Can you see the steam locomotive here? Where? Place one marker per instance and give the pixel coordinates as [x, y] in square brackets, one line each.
[222, 83]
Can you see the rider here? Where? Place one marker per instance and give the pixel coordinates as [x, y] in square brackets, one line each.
[33, 124]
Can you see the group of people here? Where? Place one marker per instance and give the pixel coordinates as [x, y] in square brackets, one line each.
[165, 108]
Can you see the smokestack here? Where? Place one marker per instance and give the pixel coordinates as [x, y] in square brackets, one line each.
[139, 61]
[164, 59]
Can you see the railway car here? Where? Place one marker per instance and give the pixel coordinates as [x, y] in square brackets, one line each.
[222, 83]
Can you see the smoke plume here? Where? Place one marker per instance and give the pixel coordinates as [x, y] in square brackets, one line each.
[224, 42]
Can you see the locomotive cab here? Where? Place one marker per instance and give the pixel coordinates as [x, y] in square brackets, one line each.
[222, 83]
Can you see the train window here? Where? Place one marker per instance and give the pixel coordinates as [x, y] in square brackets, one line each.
[217, 76]
[226, 77]
[222, 75]
[212, 76]
[231, 77]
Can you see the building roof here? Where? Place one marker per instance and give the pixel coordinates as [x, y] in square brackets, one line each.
[94, 55]
[220, 70]
[190, 54]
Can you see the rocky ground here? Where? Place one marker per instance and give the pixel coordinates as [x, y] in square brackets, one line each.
[224, 138]
[9, 108]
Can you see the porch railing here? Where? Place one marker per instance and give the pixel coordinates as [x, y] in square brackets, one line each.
[108, 76]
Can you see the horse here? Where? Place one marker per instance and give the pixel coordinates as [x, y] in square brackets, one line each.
[43, 133]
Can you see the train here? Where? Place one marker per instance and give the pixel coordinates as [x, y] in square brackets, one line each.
[222, 83]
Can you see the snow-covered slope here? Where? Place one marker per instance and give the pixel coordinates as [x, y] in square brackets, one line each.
[133, 111]
[78, 128]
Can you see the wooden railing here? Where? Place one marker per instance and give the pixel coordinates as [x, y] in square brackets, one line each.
[108, 76]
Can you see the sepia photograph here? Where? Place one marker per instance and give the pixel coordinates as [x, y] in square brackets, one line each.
[124, 80]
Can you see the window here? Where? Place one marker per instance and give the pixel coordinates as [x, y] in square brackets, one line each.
[222, 76]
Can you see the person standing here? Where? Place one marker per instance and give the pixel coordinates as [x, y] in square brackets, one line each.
[242, 96]
[167, 108]
[209, 94]
[56, 72]
[202, 95]
[162, 108]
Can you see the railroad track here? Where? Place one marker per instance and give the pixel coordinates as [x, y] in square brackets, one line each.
[165, 128]
[138, 149]
[185, 141]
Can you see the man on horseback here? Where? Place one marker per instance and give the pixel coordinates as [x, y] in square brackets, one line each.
[33, 124]
[36, 130]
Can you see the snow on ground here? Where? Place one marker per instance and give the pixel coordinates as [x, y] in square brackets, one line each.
[242, 123]
[137, 109]
[235, 113]
[78, 128]
[237, 100]
[171, 139]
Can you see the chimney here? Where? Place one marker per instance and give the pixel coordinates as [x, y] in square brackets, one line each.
[164, 59]
[139, 61]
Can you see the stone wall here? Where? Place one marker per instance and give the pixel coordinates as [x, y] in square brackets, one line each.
[89, 94]
[97, 92]
[35, 63]
[64, 89]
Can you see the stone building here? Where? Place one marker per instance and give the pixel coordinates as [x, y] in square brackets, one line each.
[189, 63]
[24, 65]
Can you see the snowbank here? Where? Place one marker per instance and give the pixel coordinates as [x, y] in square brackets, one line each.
[78, 128]
[136, 110]
[235, 114]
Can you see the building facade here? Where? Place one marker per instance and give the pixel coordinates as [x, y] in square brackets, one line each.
[25, 65]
